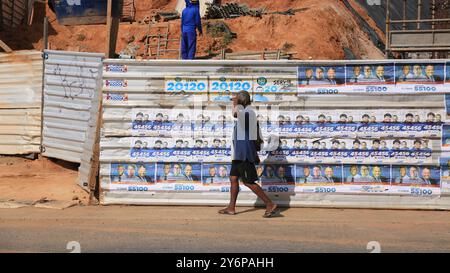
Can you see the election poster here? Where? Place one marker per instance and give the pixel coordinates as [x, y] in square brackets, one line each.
[179, 177]
[367, 179]
[221, 88]
[420, 77]
[276, 178]
[274, 88]
[375, 78]
[351, 150]
[132, 176]
[214, 174]
[416, 180]
[186, 84]
[323, 178]
[321, 79]
[348, 123]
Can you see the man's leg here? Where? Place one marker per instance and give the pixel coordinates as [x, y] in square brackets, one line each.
[261, 194]
[184, 46]
[192, 45]
[234, 191]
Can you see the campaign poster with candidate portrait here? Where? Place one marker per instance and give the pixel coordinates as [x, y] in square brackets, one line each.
[320, 173]
[161, 122]
[346, 123]
[276, 178]
[366, 179]
[223, 124]
[326, 79]
[420, 77]
[216, 174]
[416, 180]
[370, 74]
[363, 174]
[332, 150]
[205, 124]
[132, 173]
[178, 173]
[273, 174]
[164, 149]
[319, 178]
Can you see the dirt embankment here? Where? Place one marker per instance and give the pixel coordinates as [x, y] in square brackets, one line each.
[25, 180]
[321, 30]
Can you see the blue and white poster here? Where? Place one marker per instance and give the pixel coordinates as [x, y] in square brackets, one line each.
[321, 79]
[420, 77]
[370, 78]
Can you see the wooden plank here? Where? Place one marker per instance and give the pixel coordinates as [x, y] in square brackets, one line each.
[108, 29]
[112, 25]
[5, 47]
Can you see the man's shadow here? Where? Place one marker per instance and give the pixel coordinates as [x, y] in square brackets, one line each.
[276, 159]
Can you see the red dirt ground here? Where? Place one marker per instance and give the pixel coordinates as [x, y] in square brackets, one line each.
[25, 180]
[321, 31]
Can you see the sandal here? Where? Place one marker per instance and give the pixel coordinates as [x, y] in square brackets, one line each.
[226, 211]
[271, 213]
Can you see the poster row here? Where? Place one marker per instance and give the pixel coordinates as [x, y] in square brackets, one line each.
[395, 123]
[324, 178]
[416, 77]
[395, 151]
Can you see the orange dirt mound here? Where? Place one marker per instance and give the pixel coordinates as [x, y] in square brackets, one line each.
[320, 31]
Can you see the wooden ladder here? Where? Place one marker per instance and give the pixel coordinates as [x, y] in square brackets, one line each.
[157, 40]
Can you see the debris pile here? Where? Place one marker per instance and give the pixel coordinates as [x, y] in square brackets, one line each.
[231, 10]
[259, 55]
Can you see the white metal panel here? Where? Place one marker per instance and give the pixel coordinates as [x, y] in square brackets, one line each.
[85, 170]
[139, 85]
[20, 102]
[71, 85]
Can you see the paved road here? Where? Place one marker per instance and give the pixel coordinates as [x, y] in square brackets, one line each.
[201, 229]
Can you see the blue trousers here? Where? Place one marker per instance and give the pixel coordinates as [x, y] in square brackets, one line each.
[188, 45]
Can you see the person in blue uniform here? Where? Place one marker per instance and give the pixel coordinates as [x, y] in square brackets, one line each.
[190, 22]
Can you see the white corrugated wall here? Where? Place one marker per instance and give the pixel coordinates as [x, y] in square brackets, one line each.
[20, 102]
[71, 84]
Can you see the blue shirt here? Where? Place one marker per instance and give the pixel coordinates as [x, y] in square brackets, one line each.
[244, 147]
[190, 18]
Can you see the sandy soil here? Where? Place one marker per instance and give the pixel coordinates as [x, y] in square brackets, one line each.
[25, 180]
[320, 31]
[201, 229]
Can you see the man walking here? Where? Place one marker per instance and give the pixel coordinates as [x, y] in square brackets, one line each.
[190, 22]
[244, 154]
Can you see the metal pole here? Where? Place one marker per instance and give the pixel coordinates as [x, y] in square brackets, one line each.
[419, 12]
[44, 57]
[45, 33]
[404, 14]
[387, 28]
[433, 6]
[433, 13]
[179, 48]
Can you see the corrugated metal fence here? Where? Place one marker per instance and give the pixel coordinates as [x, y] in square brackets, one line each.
[145, 104]
[20, 102]
[72, 81]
